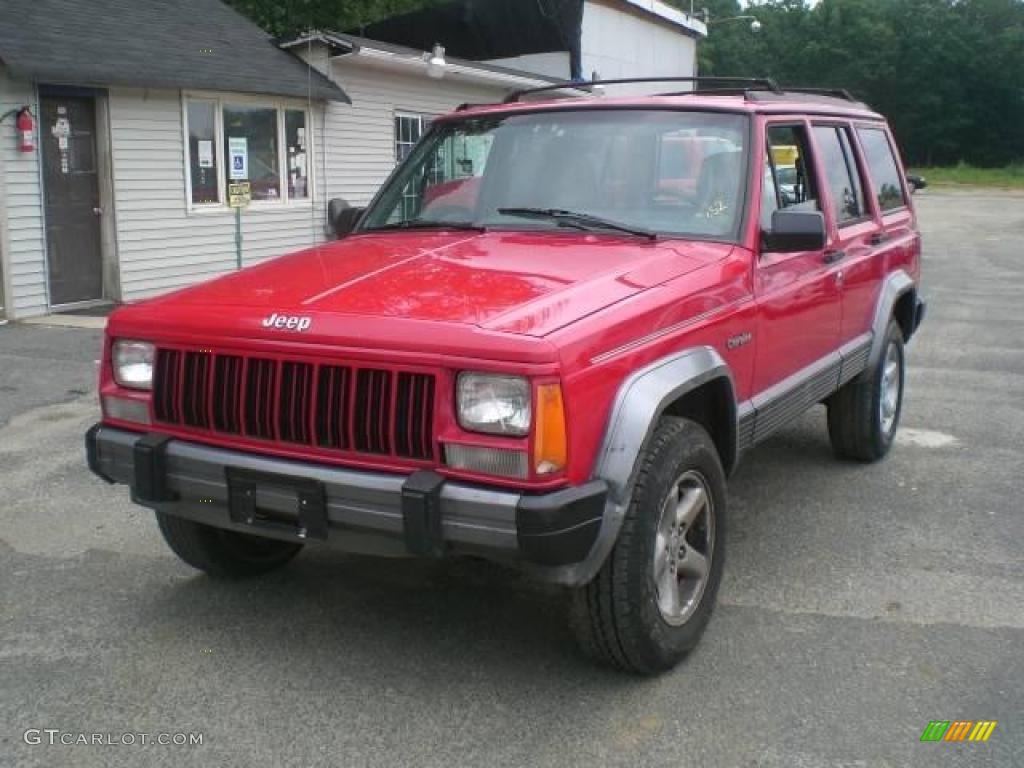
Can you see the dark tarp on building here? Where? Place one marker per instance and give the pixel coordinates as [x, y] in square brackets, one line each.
[489, 29]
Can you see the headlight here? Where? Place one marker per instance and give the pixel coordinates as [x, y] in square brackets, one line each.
[133, 364]
[497, 405]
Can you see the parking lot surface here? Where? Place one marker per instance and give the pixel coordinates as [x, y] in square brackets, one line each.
[859, 602]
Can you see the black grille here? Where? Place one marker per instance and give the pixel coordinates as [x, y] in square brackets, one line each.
[330, 407]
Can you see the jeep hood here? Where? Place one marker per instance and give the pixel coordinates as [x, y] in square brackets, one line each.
[529, 283]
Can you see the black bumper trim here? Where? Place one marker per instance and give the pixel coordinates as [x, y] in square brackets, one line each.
[150, 482]
[92, 456]
[426, 513]
[560, 528]
[421, 513]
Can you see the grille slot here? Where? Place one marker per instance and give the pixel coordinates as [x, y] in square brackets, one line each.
[373, 411]
[167, 386]
[296, 399]
[259, 398]
[414, 410]
[334, 392]
[196, 392]
[332, 408]
[227, 389]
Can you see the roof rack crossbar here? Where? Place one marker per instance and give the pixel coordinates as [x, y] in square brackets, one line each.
[837, 93]
[763, 83]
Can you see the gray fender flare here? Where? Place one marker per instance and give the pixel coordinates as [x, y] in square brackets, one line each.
[895, 285]
[640, 402]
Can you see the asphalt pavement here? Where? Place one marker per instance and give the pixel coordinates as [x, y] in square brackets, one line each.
[859, 602]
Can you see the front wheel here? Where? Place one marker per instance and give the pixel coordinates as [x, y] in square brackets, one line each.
[863, 416]
[223, 554]
[650, 602]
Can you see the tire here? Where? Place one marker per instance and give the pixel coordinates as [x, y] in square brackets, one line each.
[864, 414]
[619, 618]
[223, 554]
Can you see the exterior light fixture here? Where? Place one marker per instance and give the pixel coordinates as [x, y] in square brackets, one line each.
[705, 16]
[437, 64]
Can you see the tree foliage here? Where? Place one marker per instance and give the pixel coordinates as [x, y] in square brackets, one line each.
[289, 17]
[949, 74]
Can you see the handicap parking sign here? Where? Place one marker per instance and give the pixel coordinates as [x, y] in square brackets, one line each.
[238, 153]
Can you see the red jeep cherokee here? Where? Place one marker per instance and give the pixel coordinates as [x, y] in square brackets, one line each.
[547, 342]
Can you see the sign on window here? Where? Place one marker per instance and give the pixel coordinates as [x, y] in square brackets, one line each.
[238, 158]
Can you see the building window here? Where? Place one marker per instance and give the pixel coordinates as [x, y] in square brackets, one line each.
[250, 142]
[266, 145]
[202, 137]
[408, 130]
[297, 153]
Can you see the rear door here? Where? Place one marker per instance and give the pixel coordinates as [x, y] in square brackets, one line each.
[798, 294]
[898, 242]
[72, 198]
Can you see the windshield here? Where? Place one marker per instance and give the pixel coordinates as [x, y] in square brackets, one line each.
[670, 172]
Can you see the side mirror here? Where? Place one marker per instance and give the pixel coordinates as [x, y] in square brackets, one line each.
[916, 182]
[342, 218]
[794, 231]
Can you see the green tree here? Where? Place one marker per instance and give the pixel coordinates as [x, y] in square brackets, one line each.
[289, 17]
[949, 74]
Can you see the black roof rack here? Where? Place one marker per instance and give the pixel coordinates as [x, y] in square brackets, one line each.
[738, 84]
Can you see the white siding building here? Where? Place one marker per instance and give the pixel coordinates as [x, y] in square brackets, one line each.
[394, 98]
[125, 194]
[126, 191]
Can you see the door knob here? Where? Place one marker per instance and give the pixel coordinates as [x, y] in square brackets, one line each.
[97, 210]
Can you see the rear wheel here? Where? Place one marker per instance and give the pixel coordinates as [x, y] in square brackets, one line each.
[223, 554]
[652, 599]
[864, 415]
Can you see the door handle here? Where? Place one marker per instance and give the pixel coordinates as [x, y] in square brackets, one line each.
[877, 238]
[98, 211]
[831, 257]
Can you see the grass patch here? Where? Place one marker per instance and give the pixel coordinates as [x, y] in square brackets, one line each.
[1010, 176]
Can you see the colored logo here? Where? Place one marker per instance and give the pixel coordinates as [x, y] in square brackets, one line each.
[959, 730]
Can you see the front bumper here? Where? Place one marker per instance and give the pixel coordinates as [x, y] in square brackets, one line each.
[372, 512]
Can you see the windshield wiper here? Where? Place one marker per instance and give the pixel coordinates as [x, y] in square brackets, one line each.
[579, 220]
[428, 224]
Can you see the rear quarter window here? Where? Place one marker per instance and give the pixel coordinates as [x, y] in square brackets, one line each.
[883, 168]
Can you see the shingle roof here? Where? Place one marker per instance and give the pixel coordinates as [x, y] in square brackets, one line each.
[201, 44]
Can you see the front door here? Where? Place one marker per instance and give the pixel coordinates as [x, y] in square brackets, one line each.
[799, 296]
[72, 198]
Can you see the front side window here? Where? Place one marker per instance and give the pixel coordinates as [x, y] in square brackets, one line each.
[788, 178]
[883, 168]
[265, 145]
[670, 172]
[840, 169]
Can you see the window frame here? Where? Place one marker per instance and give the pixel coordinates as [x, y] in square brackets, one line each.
[857, 172]
[425, 120]
[280, 106]
[901, 172]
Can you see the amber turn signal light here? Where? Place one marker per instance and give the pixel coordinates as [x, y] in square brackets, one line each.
[549, 444]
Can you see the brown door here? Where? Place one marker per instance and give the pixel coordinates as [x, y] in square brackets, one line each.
[68, 139]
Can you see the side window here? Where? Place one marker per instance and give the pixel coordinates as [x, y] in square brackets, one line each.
[840, 169]
[788, 174]
[883, 168]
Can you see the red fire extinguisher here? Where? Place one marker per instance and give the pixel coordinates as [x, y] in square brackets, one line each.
[26, 131]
